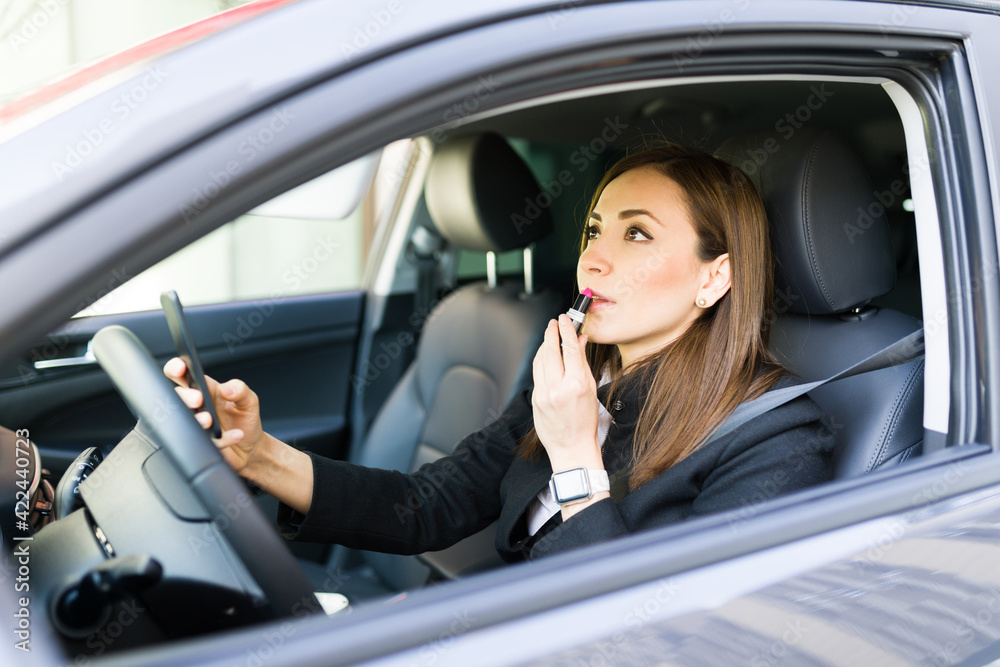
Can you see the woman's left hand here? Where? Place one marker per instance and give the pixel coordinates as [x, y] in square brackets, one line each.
[564, 400]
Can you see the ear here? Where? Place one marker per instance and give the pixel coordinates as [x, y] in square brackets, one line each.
[717, 281]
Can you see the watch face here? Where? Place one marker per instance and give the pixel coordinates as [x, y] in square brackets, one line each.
[570, 485]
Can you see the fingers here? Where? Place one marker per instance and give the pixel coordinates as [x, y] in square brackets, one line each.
[229, 438]
[232, 399]
[542, 367]
[562, 352]
[175, 369]
[237, 394]
[191, 397]
[573, 354]
[204, 420]
[228, 446]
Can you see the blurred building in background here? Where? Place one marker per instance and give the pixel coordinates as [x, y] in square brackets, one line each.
[41, 40]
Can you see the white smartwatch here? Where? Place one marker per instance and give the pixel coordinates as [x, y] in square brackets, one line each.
[577, 485]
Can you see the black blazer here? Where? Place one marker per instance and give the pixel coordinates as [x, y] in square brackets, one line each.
[786, 449]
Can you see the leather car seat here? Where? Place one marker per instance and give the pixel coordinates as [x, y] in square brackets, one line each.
[834, 255]
[474, 355]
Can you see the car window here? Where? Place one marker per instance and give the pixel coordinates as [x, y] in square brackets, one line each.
[308, 240]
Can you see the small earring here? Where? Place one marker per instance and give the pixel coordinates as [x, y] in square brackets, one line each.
[701, 302]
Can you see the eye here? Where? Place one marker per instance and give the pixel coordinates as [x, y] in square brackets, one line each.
[593, 231]
[637, 234]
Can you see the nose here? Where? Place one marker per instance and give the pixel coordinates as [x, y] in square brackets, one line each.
[594, 260]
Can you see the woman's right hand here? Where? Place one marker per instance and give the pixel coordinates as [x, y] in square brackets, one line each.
[243, 437]
[281, 470]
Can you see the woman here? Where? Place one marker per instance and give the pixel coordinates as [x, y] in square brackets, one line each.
[676, 253]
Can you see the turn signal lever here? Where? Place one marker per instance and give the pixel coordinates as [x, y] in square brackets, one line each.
[84, 606]
[68, 489]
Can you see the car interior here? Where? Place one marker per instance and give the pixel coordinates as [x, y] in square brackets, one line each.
[829, 157]
[827, 314]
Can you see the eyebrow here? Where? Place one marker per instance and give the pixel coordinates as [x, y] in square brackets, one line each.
[627, 213]
[633, 212]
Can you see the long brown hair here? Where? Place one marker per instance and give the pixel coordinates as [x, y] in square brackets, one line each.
[722, 359]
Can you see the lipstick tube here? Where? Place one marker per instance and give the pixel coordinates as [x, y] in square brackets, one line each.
[579, 309]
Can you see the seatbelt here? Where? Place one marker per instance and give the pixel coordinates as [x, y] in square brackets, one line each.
[423, 249]
[900, 352]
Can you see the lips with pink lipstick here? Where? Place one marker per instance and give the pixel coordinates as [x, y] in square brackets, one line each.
[600, 301]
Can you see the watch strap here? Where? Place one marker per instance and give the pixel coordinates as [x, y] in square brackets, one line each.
[599, 481]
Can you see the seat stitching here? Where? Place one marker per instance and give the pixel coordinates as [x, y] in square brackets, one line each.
[891, 424]
[808, 227]
[907, 453]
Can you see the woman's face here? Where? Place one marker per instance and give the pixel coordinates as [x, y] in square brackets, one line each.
[642, 264]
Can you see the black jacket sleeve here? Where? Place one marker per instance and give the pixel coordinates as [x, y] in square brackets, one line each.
[427, 510]
[784, 450]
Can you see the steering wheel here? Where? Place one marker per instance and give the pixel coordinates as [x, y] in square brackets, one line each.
[152, 399]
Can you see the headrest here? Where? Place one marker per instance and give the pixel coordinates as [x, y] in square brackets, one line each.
[830, 235]
[482, 196]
